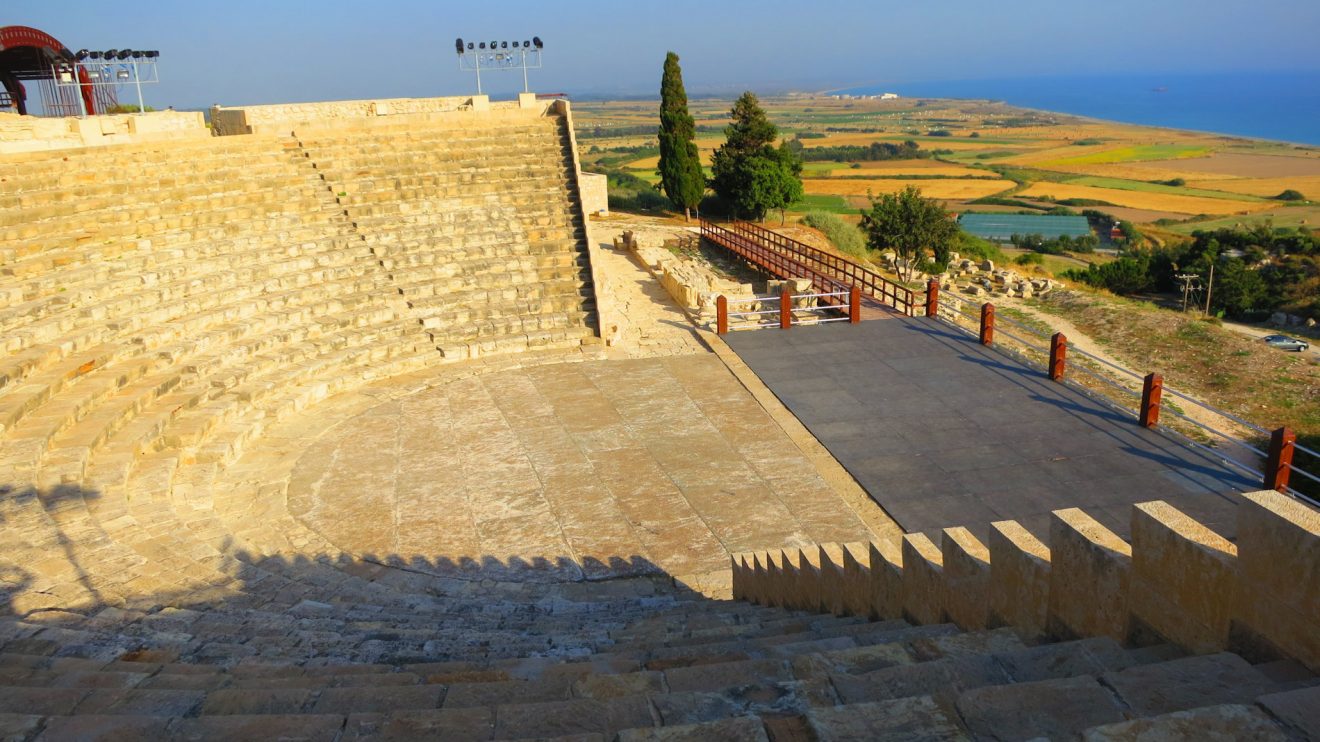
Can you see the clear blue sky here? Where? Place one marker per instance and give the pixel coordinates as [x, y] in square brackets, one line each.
[255, 51]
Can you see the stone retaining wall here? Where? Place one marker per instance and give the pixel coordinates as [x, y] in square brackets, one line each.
[1177, 581]
[36, 133]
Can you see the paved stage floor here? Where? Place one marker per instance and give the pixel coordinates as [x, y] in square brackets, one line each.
[568, 471]
[942, 431]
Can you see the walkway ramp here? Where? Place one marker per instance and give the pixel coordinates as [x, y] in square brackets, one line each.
[943, 431]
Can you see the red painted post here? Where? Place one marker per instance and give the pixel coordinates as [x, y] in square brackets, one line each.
[932, 298]
[721, 315]
[785, 307]
[1278, 467]
[987, 323]
[854, 305]
[1151, 392]
[1058, 356]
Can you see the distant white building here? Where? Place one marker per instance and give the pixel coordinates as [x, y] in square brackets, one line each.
[889, 96]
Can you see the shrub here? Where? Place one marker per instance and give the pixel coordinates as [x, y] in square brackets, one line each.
[1290, 195]
[1030, 258]
[844, 236]
[1176, 182]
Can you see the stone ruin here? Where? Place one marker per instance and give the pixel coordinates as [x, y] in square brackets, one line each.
[695, 286]
[981, 278]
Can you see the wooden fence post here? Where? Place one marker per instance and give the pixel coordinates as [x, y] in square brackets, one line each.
[932, 298]
[1278, 464]
[1058, 356]
[1151, 392]
[721, 315]
[855, 305]
[785, 307]
[987, 323]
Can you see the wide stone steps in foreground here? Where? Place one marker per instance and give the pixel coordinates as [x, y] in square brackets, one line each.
[700, 668]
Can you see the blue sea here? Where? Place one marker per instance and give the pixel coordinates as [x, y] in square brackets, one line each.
[1284, 106]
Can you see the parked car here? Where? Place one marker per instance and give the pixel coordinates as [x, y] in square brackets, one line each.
[1283, 342]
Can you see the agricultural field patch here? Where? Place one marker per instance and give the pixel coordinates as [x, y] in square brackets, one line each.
[1144, 200]
[1240, 165]
[1136, 153]
[1307, 185]
[895, 168]
[1141, 185]
[936, 188]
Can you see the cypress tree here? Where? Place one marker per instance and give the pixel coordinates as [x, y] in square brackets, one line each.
[680, 162]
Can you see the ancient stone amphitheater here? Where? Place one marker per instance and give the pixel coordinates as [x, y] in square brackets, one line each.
[309, 432]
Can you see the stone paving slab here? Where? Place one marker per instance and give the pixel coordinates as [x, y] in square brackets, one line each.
[942, 431]
[569, 471]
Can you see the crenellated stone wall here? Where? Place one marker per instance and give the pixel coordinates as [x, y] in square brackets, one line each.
[1177, 581]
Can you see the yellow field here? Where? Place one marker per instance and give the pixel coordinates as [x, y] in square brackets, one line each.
[1143, 200]
[863, 139]
[947, 189]
[909, 167]
[1308, 185]
[1156, 170]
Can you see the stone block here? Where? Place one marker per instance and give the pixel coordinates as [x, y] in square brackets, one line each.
[1187, 683]
[886, 589]
[1184, 578]
[1089, 575]
[919, 717]
[1050, 709]
[831, 578]
[807, 579]
[966, 578]
[1278, 597]
[1019, 578]
[857, 579]
[1225, 723]
[1298, 709]
[923, 580]
[780, 580]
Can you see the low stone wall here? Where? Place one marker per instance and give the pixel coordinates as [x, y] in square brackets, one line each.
[286, 117]
[1177, 581]
[36, 133]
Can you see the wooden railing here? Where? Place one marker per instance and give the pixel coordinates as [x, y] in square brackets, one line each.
[832, 266]
[775, 262]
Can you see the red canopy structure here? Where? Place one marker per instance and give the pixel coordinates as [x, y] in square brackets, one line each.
[27, 53]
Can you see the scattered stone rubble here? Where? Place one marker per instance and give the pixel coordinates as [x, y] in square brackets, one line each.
[691, 284]
[981, 278]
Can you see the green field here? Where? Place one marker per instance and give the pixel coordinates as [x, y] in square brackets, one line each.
[1140, 185]
[1137, 153]
[819, 202]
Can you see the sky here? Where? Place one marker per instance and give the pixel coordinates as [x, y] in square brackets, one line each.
[262, 51]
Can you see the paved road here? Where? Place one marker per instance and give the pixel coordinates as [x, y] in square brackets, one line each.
[943, 432]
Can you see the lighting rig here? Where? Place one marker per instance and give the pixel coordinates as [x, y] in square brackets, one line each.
[111, 68]
[499, 55]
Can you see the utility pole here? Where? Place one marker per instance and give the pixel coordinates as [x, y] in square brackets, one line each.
[1209, 287]
[1187, 279]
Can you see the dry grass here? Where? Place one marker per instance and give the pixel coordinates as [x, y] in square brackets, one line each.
[890, 168]
[1218, 366]
[1144, 200]
[1240, 165]
[947, 189]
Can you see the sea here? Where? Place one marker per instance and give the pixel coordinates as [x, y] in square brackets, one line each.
[1283, 106]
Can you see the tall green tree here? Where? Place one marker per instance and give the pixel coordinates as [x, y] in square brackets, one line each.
[748, 172]
[911, 225]
[680, 171]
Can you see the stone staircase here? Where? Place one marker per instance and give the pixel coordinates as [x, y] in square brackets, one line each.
[627, 660]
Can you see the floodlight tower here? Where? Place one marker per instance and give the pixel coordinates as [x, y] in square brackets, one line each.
[499, 55]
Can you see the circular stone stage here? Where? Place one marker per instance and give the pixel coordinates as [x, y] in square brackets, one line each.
[567, 471]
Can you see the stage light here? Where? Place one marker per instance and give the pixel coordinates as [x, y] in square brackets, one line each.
[526, 44]
[458, 45]
[111, 53]
[470, 46]
[138, 54]
[504, 45]
[125, 54]
[81, 55]
[122, 74]
[94, 55]
[536, 41]
[494, 44]
[482, 45]
[153, 54]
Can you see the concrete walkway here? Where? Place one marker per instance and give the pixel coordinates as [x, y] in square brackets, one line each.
[942, 431]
